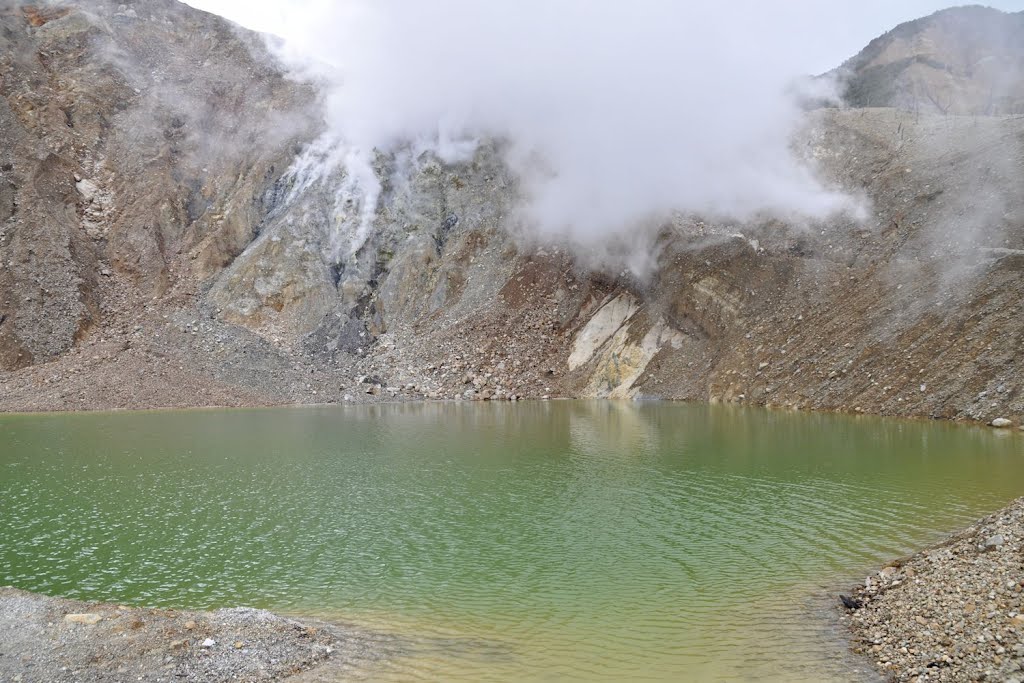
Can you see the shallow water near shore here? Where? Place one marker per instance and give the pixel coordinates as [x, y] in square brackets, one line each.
[538, 541]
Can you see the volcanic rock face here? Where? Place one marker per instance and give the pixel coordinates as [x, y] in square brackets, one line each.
[964, 60]
[134, 135]
[159, 221]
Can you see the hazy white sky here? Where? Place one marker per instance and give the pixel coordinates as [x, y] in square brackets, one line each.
[829, 31]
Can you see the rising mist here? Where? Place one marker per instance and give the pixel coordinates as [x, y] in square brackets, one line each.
[612, 115]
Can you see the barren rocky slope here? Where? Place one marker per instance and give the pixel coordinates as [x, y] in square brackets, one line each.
[963, 60]
[159, 249]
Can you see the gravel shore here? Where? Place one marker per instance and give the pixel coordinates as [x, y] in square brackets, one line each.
[54, 640]
[953, 612]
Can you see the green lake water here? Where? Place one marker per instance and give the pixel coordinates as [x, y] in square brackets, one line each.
[532, 541]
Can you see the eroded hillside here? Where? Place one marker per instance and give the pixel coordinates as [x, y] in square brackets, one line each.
[963, 60]
[159, 249]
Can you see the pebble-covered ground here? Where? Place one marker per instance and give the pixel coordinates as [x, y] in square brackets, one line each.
[954, 612]
[54, 640]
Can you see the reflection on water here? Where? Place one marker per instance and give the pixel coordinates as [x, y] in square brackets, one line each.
[539, 541]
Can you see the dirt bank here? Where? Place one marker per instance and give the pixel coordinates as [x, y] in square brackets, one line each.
[953, 612]
[52, 640]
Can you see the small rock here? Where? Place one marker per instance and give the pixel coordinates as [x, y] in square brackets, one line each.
[189, 625]
[88, 618]
[993, 542]
[87, 189]
[1001, 423]
[209, 642]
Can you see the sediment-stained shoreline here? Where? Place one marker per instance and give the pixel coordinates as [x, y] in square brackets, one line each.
[952, 612]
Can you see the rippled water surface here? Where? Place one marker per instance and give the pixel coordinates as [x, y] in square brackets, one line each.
[539, 541]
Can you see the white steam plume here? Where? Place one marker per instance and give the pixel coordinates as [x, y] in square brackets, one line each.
[615, 113]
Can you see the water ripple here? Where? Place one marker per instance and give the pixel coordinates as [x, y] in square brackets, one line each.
[588, 541]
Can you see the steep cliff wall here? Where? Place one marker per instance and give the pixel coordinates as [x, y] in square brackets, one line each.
[140, 141]
[162, 246]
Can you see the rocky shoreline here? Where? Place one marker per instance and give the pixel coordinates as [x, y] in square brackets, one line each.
[952, 612]
[53, 640]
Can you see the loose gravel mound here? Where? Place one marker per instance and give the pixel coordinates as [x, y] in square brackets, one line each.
[954, 612]
[51, 640]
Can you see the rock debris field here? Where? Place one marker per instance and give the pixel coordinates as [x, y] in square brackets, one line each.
[954, 612]
[54, 640]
